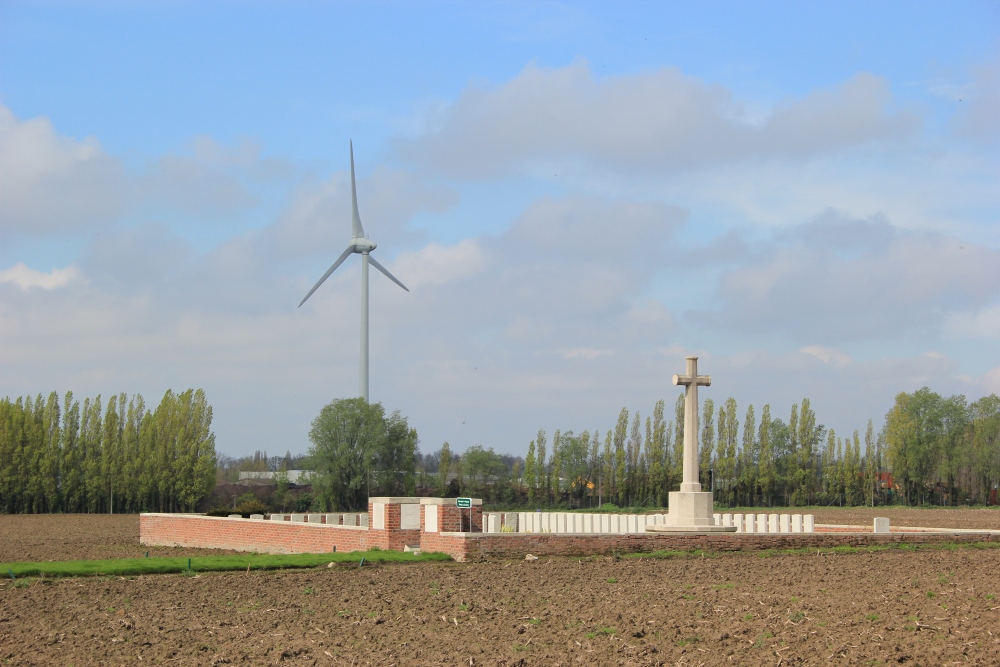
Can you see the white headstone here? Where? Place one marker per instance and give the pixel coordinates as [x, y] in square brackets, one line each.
[363, 519]
[378, 516]
[430, 518]
[718, 519]
[749, 523]
[738, 522]
[258, 517]
[315, 518]
[278, 517]
[727, 520]
[492, 523]
[510, 521]
[881, 524]
[809, 523]
[796, 523]
[522, 522]
[784, 525]
[235, 516]
[761, 523]
[409, 516]
[643, 522]
[605, 523]
[299, 518]
[772, 523]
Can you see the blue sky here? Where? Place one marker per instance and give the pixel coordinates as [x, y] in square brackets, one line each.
[578, 195]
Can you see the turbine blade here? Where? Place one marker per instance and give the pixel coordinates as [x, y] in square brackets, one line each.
[340, 260]
[386, 272]
[357, 231]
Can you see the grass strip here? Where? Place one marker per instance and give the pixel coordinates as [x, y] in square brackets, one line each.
[168, 565]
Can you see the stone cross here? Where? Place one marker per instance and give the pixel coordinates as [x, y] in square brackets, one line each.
[691, 380]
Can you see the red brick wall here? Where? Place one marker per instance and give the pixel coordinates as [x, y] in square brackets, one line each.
[451, 518]
[462, 547]
[274, 537]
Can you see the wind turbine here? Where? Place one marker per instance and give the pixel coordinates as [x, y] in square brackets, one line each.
[359, 244]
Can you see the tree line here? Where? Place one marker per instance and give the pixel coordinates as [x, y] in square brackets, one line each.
[57, 455]
[931, 449]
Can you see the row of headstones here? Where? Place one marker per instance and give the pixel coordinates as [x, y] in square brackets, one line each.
[620, 524]
[566, 522]
[768, 523]
[347, 519]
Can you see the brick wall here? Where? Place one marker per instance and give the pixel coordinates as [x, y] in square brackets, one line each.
[465, 546]
[288, 537]
[273, 537]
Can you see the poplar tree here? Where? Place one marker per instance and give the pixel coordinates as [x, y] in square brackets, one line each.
[661, 464]
[530, 472]
[766, 476]
[707, 442]
[608, 489]
[542, 470]
[632, 453]
[678, 434]
[750, 456]
[621, 432]
[444, 466]
[556, 464]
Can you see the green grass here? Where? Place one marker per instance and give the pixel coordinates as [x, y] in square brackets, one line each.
[170, 565]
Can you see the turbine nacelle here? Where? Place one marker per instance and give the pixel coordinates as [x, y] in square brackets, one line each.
[363, 244]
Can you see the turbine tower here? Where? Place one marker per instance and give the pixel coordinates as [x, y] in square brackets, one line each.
[359, 244]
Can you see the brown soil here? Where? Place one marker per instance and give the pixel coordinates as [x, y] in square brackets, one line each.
[927, 607]
[40, 537]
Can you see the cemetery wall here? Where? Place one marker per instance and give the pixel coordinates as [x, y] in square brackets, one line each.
[273, 537]
[468, 546]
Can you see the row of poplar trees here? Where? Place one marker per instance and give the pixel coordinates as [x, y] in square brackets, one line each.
[61, 456]
[931, 449]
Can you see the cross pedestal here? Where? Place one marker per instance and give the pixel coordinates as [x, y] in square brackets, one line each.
[691, 509]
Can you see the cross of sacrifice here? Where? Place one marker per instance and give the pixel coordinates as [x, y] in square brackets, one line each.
[691, 380]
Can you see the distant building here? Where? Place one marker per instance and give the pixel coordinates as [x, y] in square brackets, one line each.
[294, 476]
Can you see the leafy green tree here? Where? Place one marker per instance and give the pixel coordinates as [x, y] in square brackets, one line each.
[621, 432]
[767, 477]
[541, 466]
[749, 467]
[444, 466]
[707, 442]
[531, 473]
[556, 464]
[345, 438]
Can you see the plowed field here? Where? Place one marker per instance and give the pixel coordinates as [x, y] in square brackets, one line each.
[928, 607]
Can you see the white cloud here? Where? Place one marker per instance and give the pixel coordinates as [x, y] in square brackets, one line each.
[863, 281]
[658, 119]
[27, 278]
[828, 355]
[976, 323]
[435, 264]
[52, 183]
[991, 381]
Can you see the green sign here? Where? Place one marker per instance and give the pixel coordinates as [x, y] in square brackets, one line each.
[463, 503]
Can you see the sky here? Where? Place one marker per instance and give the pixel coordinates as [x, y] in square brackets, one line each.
[577, 195]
